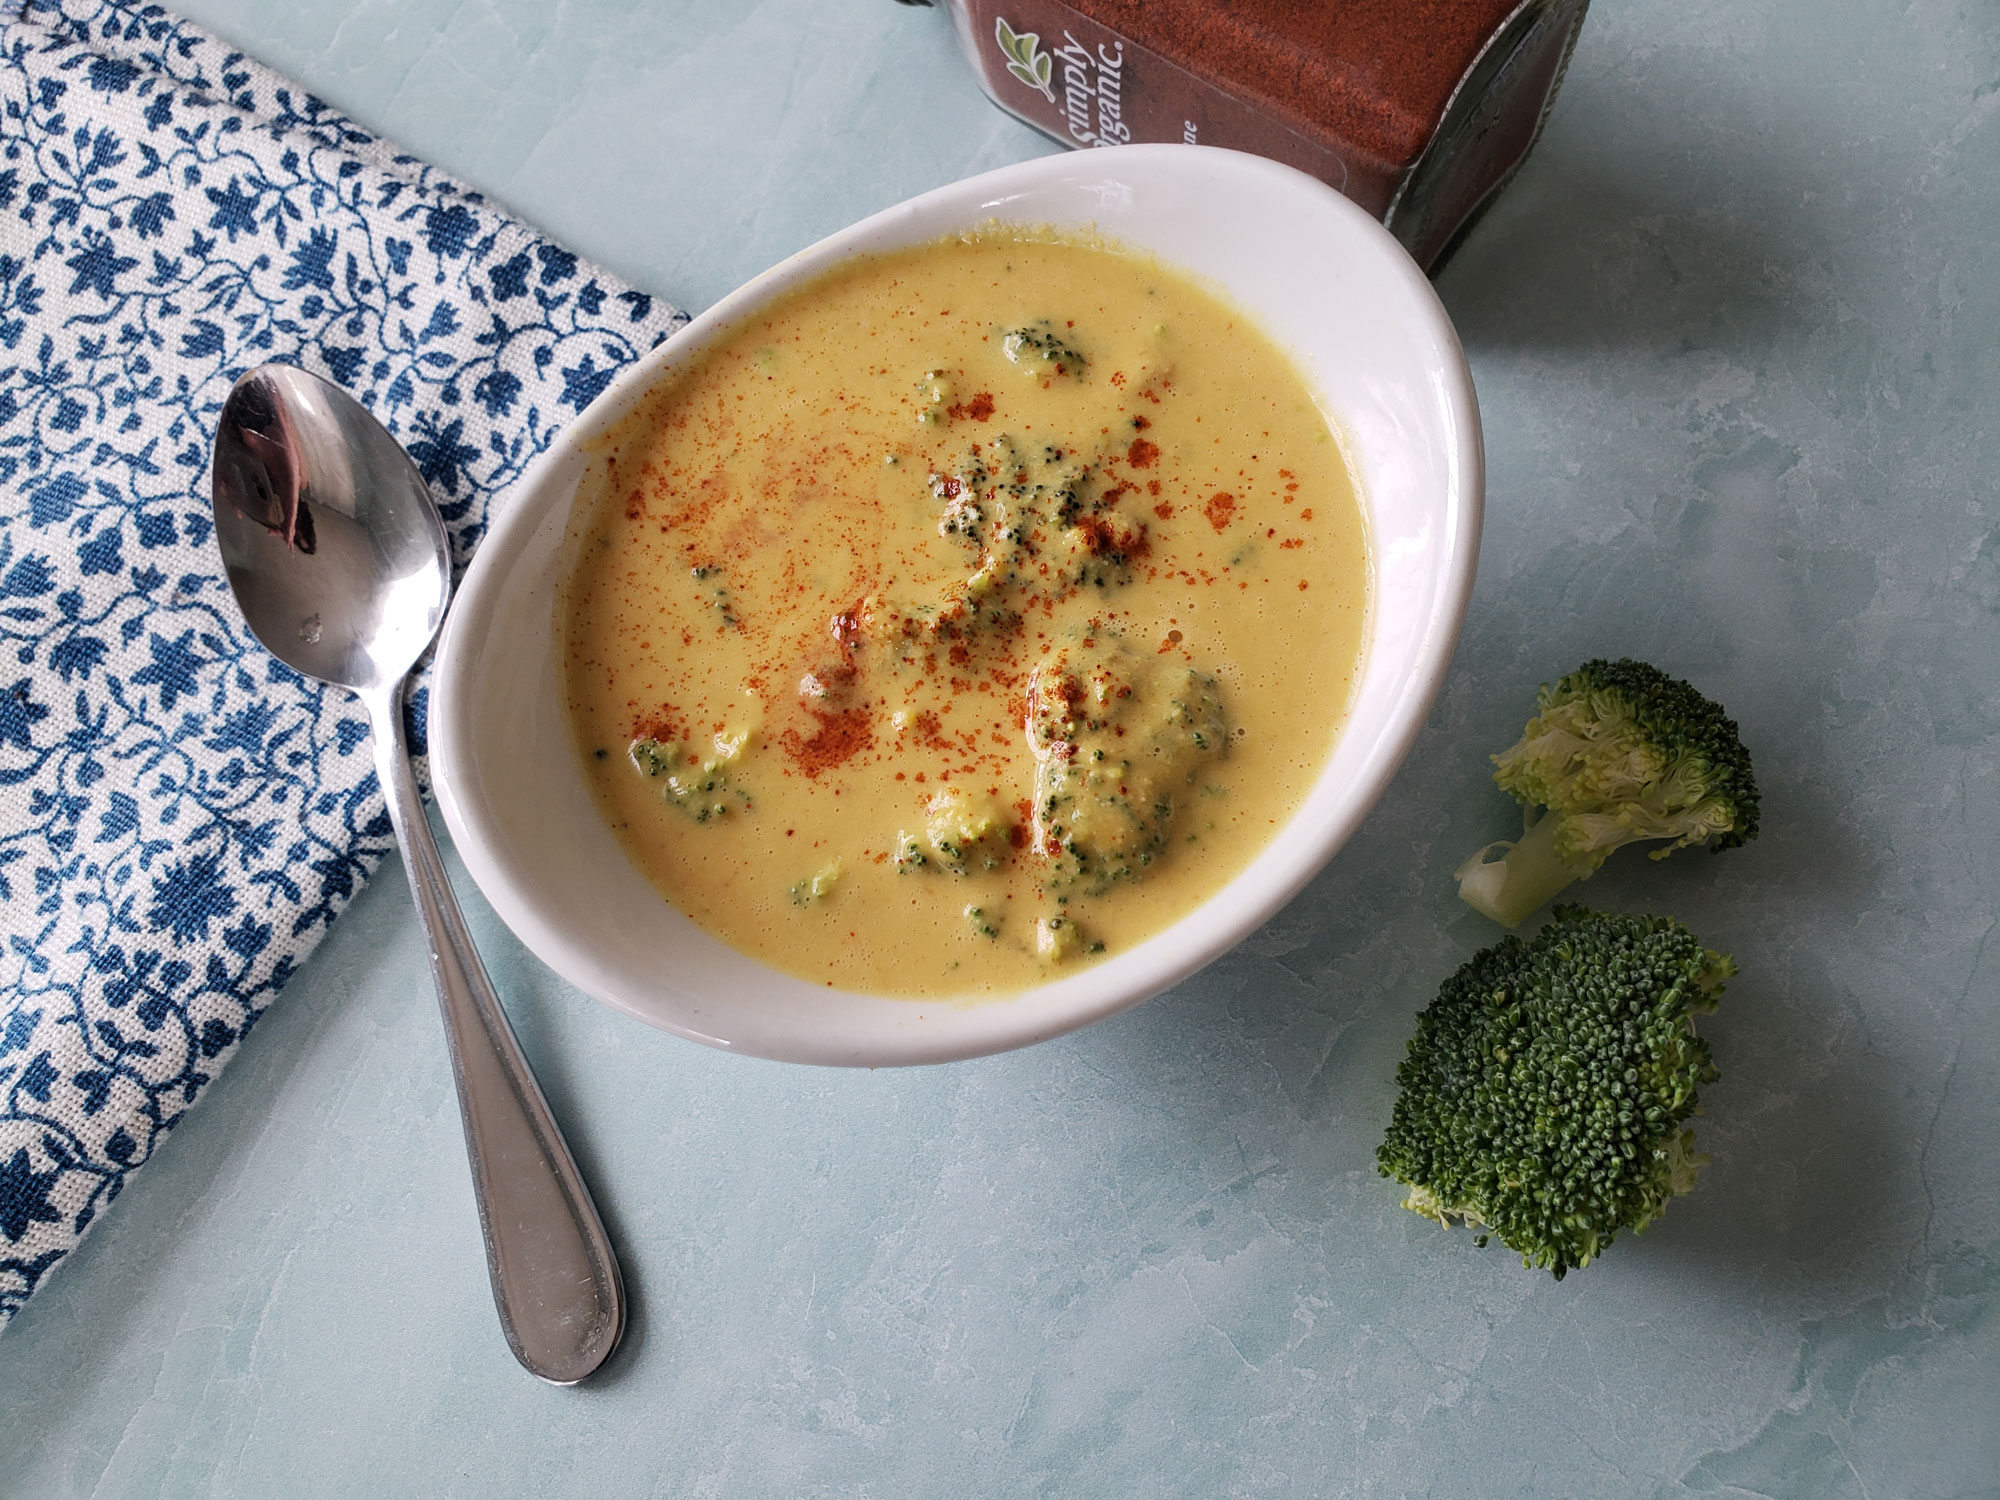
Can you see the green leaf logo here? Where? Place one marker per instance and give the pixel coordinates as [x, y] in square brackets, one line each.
[1025, 58]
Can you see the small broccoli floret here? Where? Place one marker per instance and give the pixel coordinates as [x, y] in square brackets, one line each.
[1042, 352]
[1617, 753]
[1545, 1092]
[963, 834]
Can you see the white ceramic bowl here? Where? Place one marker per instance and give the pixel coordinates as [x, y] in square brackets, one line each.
[1316, 272]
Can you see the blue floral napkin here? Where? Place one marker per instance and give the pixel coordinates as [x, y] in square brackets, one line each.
[181, 816]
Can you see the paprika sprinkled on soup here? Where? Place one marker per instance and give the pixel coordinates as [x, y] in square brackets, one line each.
[971, 613]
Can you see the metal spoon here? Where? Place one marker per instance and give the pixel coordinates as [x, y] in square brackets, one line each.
[340, 563]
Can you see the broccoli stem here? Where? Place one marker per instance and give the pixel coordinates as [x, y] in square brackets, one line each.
[1512, 888]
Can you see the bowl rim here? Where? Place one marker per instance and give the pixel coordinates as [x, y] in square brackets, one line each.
[984, 1026]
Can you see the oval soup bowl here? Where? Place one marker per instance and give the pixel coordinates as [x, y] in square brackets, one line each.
[1373, 342]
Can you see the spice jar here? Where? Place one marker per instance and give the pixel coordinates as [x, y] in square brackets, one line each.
[1418, 110]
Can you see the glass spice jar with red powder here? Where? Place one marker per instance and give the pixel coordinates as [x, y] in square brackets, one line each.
[1418, 110]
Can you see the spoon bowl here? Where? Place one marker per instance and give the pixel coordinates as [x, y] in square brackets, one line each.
[327, 530]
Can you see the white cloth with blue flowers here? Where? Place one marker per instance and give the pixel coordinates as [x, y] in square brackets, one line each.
[181, 816]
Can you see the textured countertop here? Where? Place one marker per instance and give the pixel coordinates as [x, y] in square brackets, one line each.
[1736, 331]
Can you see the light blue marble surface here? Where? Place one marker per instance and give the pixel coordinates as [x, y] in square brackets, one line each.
[1736, 330]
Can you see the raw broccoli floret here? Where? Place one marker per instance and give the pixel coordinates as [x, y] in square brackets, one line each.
[1545, 1091]
[1618, 752]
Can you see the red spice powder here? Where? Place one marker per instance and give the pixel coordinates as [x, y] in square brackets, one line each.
[664, 724]
[930, 730]
[1220, 510]
[1098, 537]
[839, 738]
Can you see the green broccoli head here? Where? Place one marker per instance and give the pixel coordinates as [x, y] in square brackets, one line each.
[1618, 753]
[1545, 1093]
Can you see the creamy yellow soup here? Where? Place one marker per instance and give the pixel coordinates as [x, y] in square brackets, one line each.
[969, 614]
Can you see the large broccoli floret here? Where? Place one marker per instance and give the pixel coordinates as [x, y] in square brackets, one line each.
[1544, 1094]
[1617, 753]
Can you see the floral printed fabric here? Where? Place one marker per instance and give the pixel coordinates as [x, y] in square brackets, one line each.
[181, 816]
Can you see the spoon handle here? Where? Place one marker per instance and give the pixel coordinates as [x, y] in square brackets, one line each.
[555, 1278]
